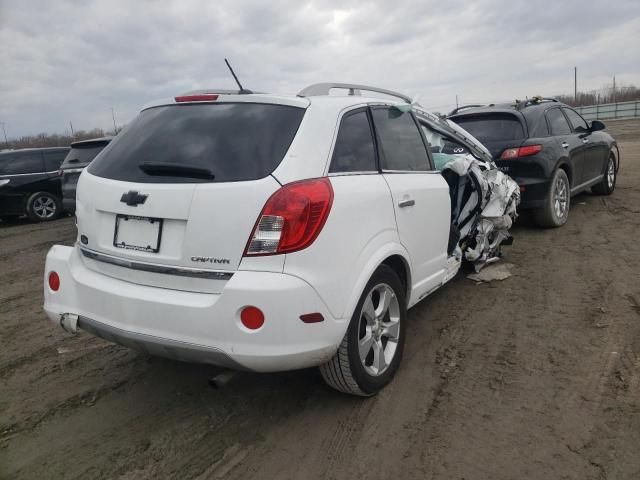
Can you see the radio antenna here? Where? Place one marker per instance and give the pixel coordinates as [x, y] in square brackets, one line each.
[242, 90]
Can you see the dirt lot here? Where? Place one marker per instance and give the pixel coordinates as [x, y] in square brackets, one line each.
[535, 377]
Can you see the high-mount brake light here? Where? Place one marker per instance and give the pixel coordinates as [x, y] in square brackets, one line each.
[197, 98]
[511, 153]
[292, 218]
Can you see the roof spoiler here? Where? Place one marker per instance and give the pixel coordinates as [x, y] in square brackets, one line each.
[471, 105]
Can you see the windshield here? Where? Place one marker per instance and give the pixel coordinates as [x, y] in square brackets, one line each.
[492, 127]
[232, 141]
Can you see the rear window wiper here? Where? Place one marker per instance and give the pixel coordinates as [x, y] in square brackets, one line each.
[176, 169]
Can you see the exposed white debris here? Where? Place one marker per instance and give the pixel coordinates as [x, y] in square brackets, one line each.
[497, 271]
[485, 216]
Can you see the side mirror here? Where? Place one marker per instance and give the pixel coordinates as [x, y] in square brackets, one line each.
[597, 125]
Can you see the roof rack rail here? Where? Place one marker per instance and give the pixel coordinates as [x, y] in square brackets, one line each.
[534, 101]
[325, 88]
[471, 105]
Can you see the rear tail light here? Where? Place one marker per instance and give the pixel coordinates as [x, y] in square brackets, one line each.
[292, 218]
[511, 153]
[197, 98]
[54, 281]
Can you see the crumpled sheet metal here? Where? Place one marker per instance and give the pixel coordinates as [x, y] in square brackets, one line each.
[499, 196]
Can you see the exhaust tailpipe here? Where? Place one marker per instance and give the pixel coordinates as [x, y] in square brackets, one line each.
[69, 322]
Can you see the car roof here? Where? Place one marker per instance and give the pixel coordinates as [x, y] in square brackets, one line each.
[530, 113]
[43, 149]
[339, 102]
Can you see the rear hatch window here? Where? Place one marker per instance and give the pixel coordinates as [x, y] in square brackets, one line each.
[82, 155]
[196, 143]
[494, 131]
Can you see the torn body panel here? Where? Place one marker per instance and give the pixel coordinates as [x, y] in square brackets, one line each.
[483, 208]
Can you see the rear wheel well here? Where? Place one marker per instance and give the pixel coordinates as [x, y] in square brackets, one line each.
[567, 170]
[399, 266]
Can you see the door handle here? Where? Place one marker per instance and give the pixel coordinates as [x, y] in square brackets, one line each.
[406, 203]
[565, 145]
[585, 140]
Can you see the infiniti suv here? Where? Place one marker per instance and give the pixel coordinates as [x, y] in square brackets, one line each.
[549, 149]
[269, 233]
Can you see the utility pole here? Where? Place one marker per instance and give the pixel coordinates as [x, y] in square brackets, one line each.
[113, 116]
[73, 135]
[456, 100]
[575, 85]
[614, 88]
[6, 142]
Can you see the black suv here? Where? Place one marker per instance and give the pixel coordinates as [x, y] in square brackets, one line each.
[30, 183]
[548, 148]
[80, 155]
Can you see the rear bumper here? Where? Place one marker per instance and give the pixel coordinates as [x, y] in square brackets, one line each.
[533, 192]
[197, 327]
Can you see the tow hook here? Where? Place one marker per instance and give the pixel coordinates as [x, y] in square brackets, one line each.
[69, 322]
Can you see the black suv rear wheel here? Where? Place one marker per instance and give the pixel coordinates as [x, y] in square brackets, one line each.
[555, 211]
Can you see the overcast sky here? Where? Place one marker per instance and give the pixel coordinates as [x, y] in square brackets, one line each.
[64, 60]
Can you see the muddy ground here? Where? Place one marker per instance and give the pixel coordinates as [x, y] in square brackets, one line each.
[536, 377]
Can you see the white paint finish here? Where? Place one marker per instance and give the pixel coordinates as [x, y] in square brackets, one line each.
[360, 223]
[283, 343]
[423, 226]
[199, 220]
[365, 227]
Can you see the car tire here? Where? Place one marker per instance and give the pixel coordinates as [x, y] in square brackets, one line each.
[608, 183]
[555, 211]
[379, 330]
[43, 207]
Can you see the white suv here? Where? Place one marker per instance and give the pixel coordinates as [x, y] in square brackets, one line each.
[262, 232]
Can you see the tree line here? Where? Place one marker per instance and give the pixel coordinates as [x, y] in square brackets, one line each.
[42, 140]
[602, 95]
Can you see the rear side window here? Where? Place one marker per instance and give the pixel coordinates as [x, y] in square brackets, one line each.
[232, 141]
[557, 123]
[22, 163]
[443, 149]
[496, 127]
[354, 150]
[53, 160]
[401, 145]
[83, 154]
[579, 125]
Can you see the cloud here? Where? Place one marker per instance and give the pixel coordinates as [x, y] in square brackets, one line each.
[74, 60]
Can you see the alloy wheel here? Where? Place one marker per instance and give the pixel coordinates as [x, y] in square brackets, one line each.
[560, 197]
[44, 207]
[379, 329]
[611, 173]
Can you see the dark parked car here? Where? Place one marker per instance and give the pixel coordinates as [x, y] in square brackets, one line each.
[80, 155]
[30, 183]
[549, 149]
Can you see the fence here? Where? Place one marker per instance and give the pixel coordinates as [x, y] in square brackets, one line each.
[610, 110]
